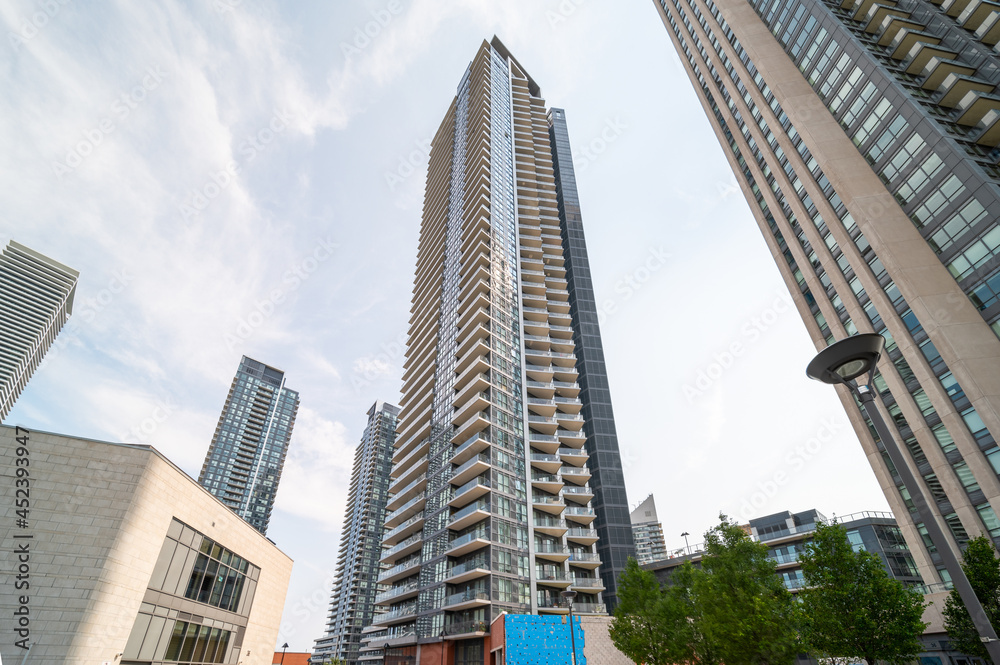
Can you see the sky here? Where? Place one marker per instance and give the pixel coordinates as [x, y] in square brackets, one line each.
[239, 177]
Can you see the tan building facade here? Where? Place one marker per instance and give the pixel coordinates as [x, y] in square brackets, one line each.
[120, 557]
[847, 141]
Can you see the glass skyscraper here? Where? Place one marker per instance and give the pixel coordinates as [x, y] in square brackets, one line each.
[244, 462]
[355, 588]
[36, 299]
[507, 485]
[865, 135]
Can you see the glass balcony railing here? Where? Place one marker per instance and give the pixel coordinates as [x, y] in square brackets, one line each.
[478, 437]
[550, 522]
[590, 608]
[467, 538]
[552, 576]
[397, 591]
[464, 627]
[395, 614]
[468, 566]
[475, 482]
[398, 568]
[585, 490]
[582, 533]
[469, 509]
[403, 545]
[478, 459]
[577, 510]
[588, 582]
[405, 507]
[402, 527]
[545, 479]
[536, 457]
[465, 596]
[550, 548]
[546, 500]
[584, 557]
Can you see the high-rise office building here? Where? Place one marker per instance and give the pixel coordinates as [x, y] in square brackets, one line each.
[648, 533]
[244, 462]
[36, 299]
[507, 486]
[352, 603]
[864, 135]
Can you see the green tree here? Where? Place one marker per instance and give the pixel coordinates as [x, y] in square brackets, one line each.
[651, 625]
[744, 610]
[852, 608]
[983, 570]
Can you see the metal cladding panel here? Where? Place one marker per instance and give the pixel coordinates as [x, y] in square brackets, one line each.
[541, 640]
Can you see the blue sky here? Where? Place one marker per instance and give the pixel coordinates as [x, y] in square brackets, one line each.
[245, 177]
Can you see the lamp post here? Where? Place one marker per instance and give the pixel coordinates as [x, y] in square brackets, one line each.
[841, 363]
[283, 647]
[570, 596]
[687, 548]
[442, 646]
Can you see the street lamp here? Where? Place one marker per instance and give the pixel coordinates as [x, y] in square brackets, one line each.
[570, 596]
[685, 535]
[841, 363]
[442, 645]
[283, 647]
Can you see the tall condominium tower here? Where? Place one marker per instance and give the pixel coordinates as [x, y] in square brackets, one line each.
[244, 462]
[648, 533]
[864, 135]
[36, 299]
[507, 485]
[352, 604]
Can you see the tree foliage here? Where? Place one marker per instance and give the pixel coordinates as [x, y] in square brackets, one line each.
[852, 608]
[734, 609]
[983, 570]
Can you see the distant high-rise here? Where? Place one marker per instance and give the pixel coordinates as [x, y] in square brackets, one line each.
[352, 604]
[648, 533]
[36, 299]
[507, 486]
[244, 462]
[865, 135]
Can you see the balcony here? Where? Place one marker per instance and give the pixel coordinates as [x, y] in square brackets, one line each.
[590, 608]
[577, 476]
[573, 439]
[395, 616]
[582, 536]
[541, 406]
[921, 53]
[470, 469]
[473, 446]
[407, 469]
[469, 492]
[580, 514]
[567, 388]
[408, 510]
[988, 31]
[556, 578]
[471, 403]
[552, 551]
[575, 456]
[584, 560]
[588, 584]
[398, 593]
[399, 571]
[976, 12]
[547, 483]
[402, 496]
[938, 69]
[542, 389]
[470, 428]
[465, 629]
[470, 542]
[469, 570]
[548, 463]
[546, 443]
[404, 529]
[548, 504]
[466, 600]
[551, 605]
[401, 549]
[550, 526]
[956, 86]
[542, 424]
[469, 515]
[974, 107]
[542, 373]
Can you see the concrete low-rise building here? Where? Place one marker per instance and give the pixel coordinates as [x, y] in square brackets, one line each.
[112, 554]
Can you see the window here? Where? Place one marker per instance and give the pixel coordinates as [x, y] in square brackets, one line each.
[192, 643]
[950, 191]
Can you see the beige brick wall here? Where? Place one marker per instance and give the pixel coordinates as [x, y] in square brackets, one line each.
[99, 514]
[599, 649]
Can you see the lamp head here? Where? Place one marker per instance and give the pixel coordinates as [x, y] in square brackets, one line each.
[846, 360]
[569, 596]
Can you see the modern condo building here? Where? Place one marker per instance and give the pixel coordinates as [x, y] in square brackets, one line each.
[36, 299]
[244, 462]
[507, 485]
[355, 588]
[864, 134]
[648, 533]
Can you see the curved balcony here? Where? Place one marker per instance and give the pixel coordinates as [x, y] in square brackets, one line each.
[581, 495]
[540, 389]
[399, 571]
[547, 483]
[588, 584]
[400, 532]
[470, 448]
[470, 428]
[470, 469]
[402, 496]
[553, 505]
[469, 492]
[403, 548]
[551, 551]
[395, 616]
[554, 578]
[398, 593]
[407, 511]
[540, 373]
[580, 514]
[542, 407]
[470, 542]
[469, 515]
[585, 560]
[546, 443]
[577, 476]
[548, 463]
[470, 404]
[574, 456]
[567, 388]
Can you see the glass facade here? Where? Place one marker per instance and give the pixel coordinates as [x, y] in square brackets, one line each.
[492, 507]
[244, 462]
[863, 149]
[355, 590]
